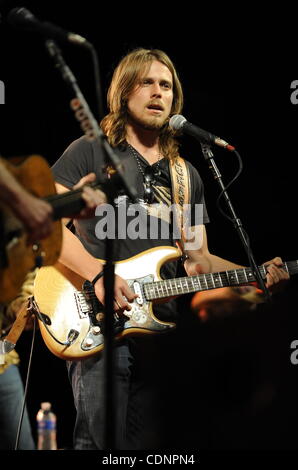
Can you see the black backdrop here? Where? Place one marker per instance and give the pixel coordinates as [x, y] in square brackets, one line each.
[236, 68]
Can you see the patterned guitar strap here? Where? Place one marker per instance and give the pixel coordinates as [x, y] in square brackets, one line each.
[181, 192]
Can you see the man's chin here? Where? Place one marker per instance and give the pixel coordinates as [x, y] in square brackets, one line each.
[153, 124]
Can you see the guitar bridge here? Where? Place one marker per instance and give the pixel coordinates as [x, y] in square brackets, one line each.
[82, 304]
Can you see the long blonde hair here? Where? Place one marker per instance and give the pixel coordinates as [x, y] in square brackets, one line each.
[125, 77]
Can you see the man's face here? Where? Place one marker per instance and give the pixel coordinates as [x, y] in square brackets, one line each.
[150, 103]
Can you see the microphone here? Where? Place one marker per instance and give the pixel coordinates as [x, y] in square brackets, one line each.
[25, 19]
[178, 122]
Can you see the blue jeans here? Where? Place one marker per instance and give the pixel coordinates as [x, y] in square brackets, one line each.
[11, 399]
[134, 408]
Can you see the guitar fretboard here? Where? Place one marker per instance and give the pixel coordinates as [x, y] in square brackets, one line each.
[201, 282]
[69, 203]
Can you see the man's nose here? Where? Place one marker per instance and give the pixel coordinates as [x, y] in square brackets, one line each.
[156, 90]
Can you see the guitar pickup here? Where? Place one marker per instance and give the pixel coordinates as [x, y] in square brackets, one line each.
[138, 290]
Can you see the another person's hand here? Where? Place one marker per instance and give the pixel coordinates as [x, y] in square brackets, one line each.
[226, 301]
[21, 302]
[92, 197]
[35, 214]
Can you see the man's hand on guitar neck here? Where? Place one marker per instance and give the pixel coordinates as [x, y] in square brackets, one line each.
[276, 276]
[201, 261]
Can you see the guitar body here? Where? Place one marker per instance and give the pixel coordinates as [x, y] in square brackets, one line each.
[16, 257]
[69, 314]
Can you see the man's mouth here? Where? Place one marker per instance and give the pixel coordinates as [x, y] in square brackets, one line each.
[155, 107]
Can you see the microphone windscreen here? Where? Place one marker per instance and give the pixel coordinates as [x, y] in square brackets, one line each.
[176, 122]
[20, 17]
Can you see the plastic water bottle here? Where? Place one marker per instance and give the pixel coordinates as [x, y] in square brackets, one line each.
[46, 428]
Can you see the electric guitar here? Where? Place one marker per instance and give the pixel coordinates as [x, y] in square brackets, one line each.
[16, 257]
[70, 316]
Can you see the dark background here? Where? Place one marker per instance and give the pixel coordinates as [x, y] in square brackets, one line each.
[234, 384]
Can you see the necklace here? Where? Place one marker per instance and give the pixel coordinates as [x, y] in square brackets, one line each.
[135, 154]
[148, 175]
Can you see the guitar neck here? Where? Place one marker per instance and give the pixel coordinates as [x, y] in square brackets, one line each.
[185, 285]
[69, 203]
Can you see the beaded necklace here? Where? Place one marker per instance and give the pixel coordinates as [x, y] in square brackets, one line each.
[148, 175]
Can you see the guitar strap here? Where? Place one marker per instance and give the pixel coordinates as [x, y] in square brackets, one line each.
[181, 194]
[3, 255]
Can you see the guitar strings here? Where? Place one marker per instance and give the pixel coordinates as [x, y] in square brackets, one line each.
[224, 278]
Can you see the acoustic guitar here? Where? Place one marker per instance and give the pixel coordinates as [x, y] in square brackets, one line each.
[16, 257]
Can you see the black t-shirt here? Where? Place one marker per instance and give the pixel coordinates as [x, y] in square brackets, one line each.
[135, 227]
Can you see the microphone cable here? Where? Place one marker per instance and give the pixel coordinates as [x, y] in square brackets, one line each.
[23, 18]
[98, 88]
[238, 173]
[245, 234]
[224, 214]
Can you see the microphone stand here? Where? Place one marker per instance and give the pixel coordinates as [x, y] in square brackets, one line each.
[93, 132]
[208, 155]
